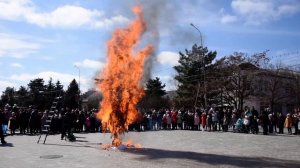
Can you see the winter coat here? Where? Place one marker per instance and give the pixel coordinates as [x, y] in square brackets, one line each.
[174, 118]
[288, 122]
[179, 121]
[169, 119]
[208, 120]
[164, 119]
[13, 122]
[203, 119]
[2, 118]
[215, 117]
[196, 120]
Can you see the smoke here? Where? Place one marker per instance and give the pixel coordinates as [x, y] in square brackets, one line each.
[153, 13]
[162, 19]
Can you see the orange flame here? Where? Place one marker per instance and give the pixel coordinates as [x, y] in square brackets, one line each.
[121, 86]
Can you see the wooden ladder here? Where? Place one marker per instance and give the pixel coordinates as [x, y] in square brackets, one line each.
[47, 125]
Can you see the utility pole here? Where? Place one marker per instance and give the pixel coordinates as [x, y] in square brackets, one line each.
[204, 71]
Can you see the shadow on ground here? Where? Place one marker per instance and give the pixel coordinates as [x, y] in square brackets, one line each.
[77, 145]
[7, 145]
[149, 154]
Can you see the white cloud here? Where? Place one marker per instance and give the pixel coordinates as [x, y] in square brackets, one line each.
[4, 84]
[67, 16]
[17, 46]
[16, 65]
[228, 18]
[14, 9]
[257, 12]
[64, 78]
[109, 22]
[167, 57]
[88, 63]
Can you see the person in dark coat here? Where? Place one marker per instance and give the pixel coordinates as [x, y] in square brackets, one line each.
[13, 123]
[93, 122]
[33, 121]
[265, 122]
[23, 122]
[66, 124]
[81, 119]
[271, 123]
[281, 120]
[221, 120]
[295, 123]
[275, 121]
[254, 126]
[2, 120]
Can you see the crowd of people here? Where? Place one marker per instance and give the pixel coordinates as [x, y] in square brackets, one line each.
[30, 121]
[243, 121]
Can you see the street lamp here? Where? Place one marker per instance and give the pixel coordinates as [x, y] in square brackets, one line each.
[199, 32]
[204, 73]
[78, 82]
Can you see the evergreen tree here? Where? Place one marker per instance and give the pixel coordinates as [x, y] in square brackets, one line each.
[37, 91]
[154, 97]
[22, 97]
[8, 96]
[72, 97]
[59, 86]
[50, 93]
[191, 71]
[155, 88]
[60, 89]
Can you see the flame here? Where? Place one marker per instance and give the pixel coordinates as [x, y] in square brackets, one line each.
[124, 145]
[121, 86]
[130, 144]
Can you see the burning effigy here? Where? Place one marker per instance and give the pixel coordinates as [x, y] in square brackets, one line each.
[121, 78]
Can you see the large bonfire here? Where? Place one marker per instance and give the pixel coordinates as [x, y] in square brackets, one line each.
[121, 79]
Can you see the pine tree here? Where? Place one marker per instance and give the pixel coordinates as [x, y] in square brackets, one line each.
[154, 97]
[50, 93]
[8, 96]
[22, 96]
[37, 93]
[193, 65]
[155, 88]
[72, 97]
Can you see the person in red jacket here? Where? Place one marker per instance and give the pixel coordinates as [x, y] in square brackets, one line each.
[174, 120]
[203, 121]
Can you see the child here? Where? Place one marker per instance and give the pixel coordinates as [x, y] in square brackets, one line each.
[288, 123]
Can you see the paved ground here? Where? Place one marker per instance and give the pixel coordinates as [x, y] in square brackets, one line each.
[160, 149]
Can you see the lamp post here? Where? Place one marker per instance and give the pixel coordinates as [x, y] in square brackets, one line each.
[204, 73]
[199, 33]
[78, 84]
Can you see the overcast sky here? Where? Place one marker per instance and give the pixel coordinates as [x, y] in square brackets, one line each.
[39, 39]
